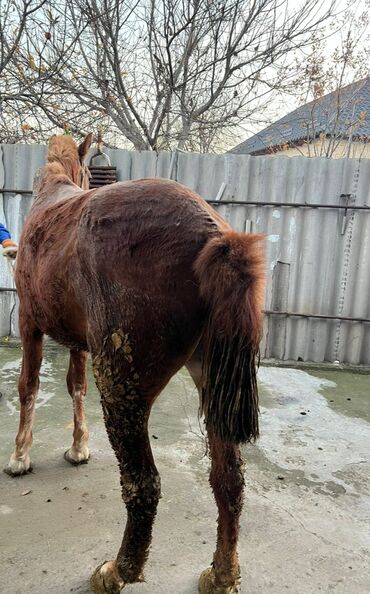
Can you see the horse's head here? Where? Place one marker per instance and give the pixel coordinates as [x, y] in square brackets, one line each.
[64, 158]
[68, 158]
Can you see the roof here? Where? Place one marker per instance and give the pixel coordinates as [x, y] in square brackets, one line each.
[334, 113]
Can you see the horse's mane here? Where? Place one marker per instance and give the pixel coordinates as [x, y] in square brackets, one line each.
[63, 157]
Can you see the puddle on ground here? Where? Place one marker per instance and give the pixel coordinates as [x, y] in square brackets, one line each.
[305, 438]
[350, 395]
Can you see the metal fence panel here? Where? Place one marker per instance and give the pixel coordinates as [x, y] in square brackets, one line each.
[318, 259]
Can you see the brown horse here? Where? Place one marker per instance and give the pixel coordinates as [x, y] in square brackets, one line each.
[146, 277]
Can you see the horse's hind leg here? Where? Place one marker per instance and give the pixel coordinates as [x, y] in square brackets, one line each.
[28, 386]
[227, 482]
[78, 453]
[126, 413]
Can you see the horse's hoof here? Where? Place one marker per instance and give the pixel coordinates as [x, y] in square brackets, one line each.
[17, 467]
[77, 457]
[207, 584]
[105, 579]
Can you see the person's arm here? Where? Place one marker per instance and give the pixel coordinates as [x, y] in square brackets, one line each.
[10, 248]
[4, 233]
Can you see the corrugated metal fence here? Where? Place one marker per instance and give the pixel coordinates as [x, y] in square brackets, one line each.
[315, 213]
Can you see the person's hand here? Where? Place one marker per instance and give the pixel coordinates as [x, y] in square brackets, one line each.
[10, 249]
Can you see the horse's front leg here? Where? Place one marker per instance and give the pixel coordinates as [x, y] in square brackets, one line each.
[28, 386]
[227, 482]
[126, 413]
[78, 453]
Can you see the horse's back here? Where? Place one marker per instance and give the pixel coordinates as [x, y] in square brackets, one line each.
[143, 207]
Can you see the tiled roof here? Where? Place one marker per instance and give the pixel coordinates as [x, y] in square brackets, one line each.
[333, 113]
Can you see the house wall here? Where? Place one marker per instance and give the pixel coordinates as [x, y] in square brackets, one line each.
[319, 148]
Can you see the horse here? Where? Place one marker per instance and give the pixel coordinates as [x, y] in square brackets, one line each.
[146, 277]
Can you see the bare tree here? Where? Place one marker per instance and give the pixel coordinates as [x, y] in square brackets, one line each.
[28, 59]
[15, 15]
[163, 74]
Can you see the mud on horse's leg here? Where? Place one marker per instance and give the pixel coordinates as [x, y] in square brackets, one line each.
[78, 453]
[227, 482]
[126, 414]
[28, 386]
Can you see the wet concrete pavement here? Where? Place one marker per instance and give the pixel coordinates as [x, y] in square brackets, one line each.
[306, 523]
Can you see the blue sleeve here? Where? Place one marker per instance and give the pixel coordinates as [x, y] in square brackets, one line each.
[4, 233]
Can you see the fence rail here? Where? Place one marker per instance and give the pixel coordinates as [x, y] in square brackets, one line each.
[246, 203]
[314, 213]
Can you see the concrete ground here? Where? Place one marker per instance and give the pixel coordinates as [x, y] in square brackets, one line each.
[305, 526]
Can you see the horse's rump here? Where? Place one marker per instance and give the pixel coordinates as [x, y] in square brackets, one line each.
[151, 230]
[137, 243]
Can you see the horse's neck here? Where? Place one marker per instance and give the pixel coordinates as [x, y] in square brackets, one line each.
[54, 191]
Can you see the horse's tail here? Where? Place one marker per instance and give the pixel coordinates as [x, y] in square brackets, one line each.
[231, 274]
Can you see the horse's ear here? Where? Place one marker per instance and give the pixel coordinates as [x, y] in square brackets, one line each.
[84, 147]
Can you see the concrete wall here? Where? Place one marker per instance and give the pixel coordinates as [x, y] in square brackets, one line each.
[318, 259]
